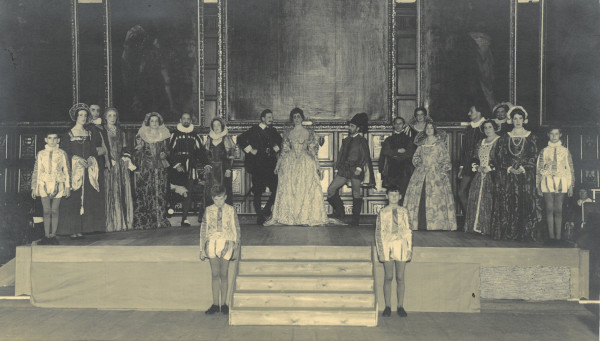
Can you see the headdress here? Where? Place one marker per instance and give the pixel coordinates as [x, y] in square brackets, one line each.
[507, 104]
[511, 112]
[76, 108]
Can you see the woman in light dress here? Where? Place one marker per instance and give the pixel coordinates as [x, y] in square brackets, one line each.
[299, 199]
[429, 197]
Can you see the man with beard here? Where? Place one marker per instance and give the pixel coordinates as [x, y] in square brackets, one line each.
[353, 164]
[261, 143]
[186, 154]
[499, 115]
[395, 162]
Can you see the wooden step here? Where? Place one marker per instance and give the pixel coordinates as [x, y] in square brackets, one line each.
[305, 283]
[337, 268]
[306, 252]
[304, 316]
[304, 299]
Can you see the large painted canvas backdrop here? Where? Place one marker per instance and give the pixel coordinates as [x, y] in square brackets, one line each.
[465, 59]
[328, 57]
[154, 58]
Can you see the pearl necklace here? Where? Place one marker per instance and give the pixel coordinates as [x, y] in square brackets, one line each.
[520, 144]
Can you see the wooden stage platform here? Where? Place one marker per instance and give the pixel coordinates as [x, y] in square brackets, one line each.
[294, 267]
[293, 235]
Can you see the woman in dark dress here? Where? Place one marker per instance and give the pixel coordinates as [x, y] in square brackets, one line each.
[151, 151]
[83, 211]
[221, 150]
[518, 211]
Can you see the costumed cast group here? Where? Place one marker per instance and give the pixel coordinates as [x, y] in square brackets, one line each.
[83, 177]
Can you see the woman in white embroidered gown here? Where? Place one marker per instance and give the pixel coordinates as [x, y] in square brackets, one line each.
[299, 199]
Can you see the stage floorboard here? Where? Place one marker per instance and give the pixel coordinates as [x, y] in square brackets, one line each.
[292, 235]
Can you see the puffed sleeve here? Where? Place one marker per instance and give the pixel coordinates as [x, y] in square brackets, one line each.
[444, 161]
[571, 168]
[66, 169]
[539, 168]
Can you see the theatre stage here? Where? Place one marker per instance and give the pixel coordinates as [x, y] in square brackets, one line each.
[160, 269]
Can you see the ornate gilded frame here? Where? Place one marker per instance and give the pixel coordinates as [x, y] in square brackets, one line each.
[108, 86]
[325, 124]
[512, 59]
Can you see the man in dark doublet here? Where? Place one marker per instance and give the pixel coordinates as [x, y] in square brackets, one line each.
[395, 161]
[354, 165]
[186, 154]
[261, 143]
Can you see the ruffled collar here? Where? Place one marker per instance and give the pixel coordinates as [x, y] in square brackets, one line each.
[147, 134]
[217, 136]
[183, 129]
[554, 144]
[478, 123]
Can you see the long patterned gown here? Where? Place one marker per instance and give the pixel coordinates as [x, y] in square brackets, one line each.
[150, 185]
[482, 191]
[429, 197]
[299, 199]
[119, 201]
[518, 211]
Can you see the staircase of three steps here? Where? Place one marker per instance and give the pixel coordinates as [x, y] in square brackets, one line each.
[305, 285]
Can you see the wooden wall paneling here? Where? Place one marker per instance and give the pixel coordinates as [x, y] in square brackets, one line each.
[589, 147]
[27, 146]
[238, 181]
[376, 143]
[374, 206]
[326, 150]
[24, 184]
